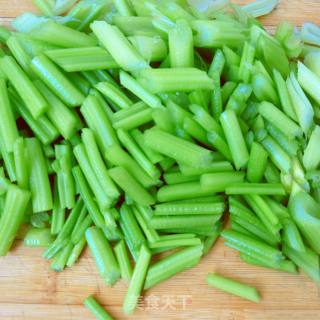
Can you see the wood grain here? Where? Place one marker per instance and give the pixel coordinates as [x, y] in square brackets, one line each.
[29, 290]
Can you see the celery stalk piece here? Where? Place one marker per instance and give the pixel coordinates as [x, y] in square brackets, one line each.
[12, 217]
[305, 213]
[256, 188]
[217, 166]
[309, 81]
[64, 119]
[246, 63]
[301, 104]
[114, 94]
[239, 97]
[277, 118]
[218, 182]
[68, 38]
[34, 101]
[257, 163]
[233, 287]
[118, 157]
[38, 237]
[151, 48]
[131, 186]
[88, 198]
[183, 151]
[310, 33]
[215, 33]
[232, 131]
[128, 142]
[62, 6]
[96, 309]
[171, 80]
[98, 121]
[82, 59]
[98, 164]
[263, 88]
[137, 280]
[20, 161]
[56, 81]
[311, 157]
[8, 128]
[119, 47]
[135, 87]
[260, 8]
[39, 179]
[103, 255]
[312, 61]
[76, 252]
[124, 8]
[173, 264]
[4, 34]
[123, 260]
[102, 197]
[181, 49]
[58, 212]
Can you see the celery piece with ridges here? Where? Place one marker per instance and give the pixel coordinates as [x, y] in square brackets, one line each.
[277, 118]
[98, 121]
[20, 161]
[263, 88]
[103, 199]
[136, 88]
[59, 261]
[68, 38]
[305, 212]
[96, 309]
[128, 142]
[173, 264]
[88, 198]
[216, 166]
[182, 191]
[137, 280]
[56, 81]
[248, 245]
[39, 179]
[36, 237]
[64, 119]
[114, 94]
[219, 181]
[98, 165]
[301, 104]
[178, 79]
[257, 163]
[119, 46]
[12, 216]
[63, 166]
[8, 128]
[131, 186]
[233, 287]
[311, 156]
[181, 45]
[184, 221]
[256, 188]
[118, 157]
[135, 120]
[58, 212]
[121, 252]
[76, 252]
[246, 63]
[179, 149]
[234, 136]
[103, 255]
[34, 101]
[82, 59]
[178, 177]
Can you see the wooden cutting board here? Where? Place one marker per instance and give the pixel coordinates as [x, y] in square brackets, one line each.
[30, 291]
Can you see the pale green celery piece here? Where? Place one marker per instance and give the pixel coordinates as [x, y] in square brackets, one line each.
[301, 104]
[215, 33]
[175, 10]
[82, 59]
[28, 21]
[181, 49]
[203, 9]
[312, 61]
[119, 46]
[151, 48]
[260, 8]
[62, 6]
[310, 33]
[137, 89]
[305, 212]
[309, 81]
[311, 157]
[264, 89]
[136, 26]
[68, 38]
[246, 63]
[172, 80]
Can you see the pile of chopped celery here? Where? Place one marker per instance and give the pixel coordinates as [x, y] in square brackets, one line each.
[134, 126]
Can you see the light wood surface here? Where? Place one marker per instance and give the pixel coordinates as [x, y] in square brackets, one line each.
[30, 291]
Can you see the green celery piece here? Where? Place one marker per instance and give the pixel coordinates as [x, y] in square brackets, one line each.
[96, 309]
